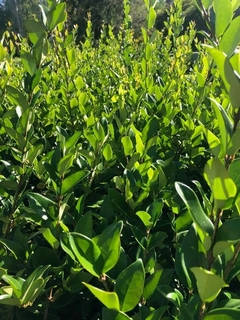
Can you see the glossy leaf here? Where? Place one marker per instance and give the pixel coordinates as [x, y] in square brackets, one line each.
[194, 207]
[70, 181]
[151, 284]
[56, 16]
[127, 145]
[54, 243]
[225, 124]
[230, 79]
[223, 15]
[229, 230]
[151, 17]
[15, 283]
[209, 284]
[225, 247]
[87, 253]
[109, 244]
[221, 184]
[108, 314]
[129, 286]
[109, 299]
[17, 98]
[35, 30]
[107, 152]
[231, 38]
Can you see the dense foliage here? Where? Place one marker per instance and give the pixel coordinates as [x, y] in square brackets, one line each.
[119, 170]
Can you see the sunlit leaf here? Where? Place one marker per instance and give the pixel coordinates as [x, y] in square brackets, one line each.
[209, 284]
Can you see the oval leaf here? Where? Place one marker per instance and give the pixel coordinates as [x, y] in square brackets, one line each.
[209, 284]
[109, 299]
[129, 286]
[194, 207]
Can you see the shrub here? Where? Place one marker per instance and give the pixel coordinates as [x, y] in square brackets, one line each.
[119, 171]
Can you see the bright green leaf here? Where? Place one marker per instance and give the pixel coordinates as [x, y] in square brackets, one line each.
[231, 38]
[87, 253]
[109, 299]
[70, 181]
[127, 145]
[223, 15]
[209, 284]
[56, 15]
[230, 79]
[109, 244]
[151, 17]
[221, 184]
[194, 207]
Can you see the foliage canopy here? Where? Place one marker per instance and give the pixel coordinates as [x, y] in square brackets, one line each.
[119, 169]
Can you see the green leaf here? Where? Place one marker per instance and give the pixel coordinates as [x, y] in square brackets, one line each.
[155, 210]
[151, 284]
[109, 299]
[219, 181]
[150, 129]
[35, 30]
[70, 181]
[223, 15]
[71, 142]
[74, 282]
[33, 153]
[32, 292]
[231, 38]
[207, 3]
[194, 207]
[229, 230]
[156, 239]
[65, 244]
[225, 124]
[209, 284]
[129, 286]
[213, 142]
[108, 314]
[85, 225]
[8, 300]
[234, 172]
[109, 244]
[157, 314]
[107, 152]
[15, 283]
[56, 16]
[223, 314]
[15, 135]
[127, 145]
[17, 98]
[146, 218]
[225, 247]
[15, 248]
[2, 52]
[28, 63]
[65, 163]
[99, 131]
[30, 286]
[234, 143]
[230, 79]
[87, 253]
[151, 17]
[46, 232]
